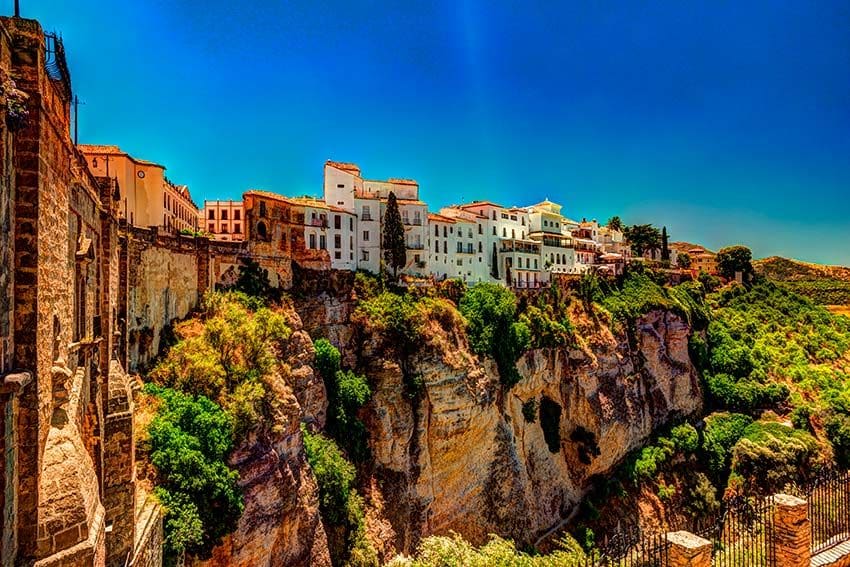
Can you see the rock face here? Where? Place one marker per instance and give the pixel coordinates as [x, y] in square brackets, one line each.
[462, 456]
[280, 525]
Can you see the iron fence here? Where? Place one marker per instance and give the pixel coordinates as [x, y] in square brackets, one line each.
[828, 496]
[741, 533]
[629, 548]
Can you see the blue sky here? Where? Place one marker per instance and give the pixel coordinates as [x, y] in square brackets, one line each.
[726, 121]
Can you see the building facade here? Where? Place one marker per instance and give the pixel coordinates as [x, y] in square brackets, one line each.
[223, 220]
[146, 196]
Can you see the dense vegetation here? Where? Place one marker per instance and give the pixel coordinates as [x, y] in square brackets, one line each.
[209, 390]
[824, 285]
[444, 551]
[188, 441]
[340, 505]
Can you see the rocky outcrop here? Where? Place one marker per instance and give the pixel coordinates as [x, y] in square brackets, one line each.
[280, 525]
[463, 456]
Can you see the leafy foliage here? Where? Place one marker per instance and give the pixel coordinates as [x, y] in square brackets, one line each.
[254, 281]
[347, 393]
[735, 259]
[227, 356]
[683, 260]
[340, 505]
[443, 551]
[490, 312]
[190, 438]
[643, 237]
[547, 329]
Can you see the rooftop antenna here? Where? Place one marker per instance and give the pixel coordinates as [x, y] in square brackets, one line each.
[77, 104]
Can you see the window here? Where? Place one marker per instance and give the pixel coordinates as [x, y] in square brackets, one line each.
[365, 236]
[312, 244]
[535, 263]
[404, 217]
[337, 255]
[416, 258]
[337, 222]
[513, 234]
[337, 241]
[224, 214]
[340, 185]
[323, 242]
[212, 227]
[445, 231]
[504, 232]
[480, 229]
[94, 162]
[237, 228]
[366, 213]
[262, 209]
[436, 247]
[237, 215]
[350, 223]
[494, 215]
[494, 231]
[224, 228]
[545, 222]
[470, 233]
[460, 247]
[523, 221]
[364, 255]
[417, 218]
[480, 248]
[513, 217]
[445, 247]
[436, 230]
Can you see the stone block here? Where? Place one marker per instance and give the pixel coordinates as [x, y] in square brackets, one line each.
[688, 550]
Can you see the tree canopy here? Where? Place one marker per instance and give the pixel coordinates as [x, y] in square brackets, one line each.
[643, 237]
[614, 223]
[734, 259]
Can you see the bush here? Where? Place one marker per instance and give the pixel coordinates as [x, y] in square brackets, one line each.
[546, 330]
[190, 439]
[770, 455]
[722, 431]
[838, 432]
[702, 497]
[339, 503]
[685, 438]
[490, 312]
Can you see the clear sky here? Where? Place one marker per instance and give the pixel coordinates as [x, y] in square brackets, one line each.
[726, 121]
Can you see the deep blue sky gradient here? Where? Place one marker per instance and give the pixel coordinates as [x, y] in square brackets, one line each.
[726, 121]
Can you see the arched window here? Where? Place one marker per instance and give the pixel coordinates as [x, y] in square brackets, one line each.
[262, 231]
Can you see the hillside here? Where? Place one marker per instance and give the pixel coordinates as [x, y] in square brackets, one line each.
[826, 285]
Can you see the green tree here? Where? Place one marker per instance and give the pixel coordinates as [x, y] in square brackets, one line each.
[490, 311]
[642, 238]
[395, 249]
[190, 439]
[683, 260]
[665, 245]
[614, 223]
[734, 259]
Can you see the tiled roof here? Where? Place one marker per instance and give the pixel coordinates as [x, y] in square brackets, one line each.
[440, 218]
[95, 149]
[478, 204]
[343, 166]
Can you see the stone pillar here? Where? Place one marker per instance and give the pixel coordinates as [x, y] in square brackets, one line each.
[688, 550]
[792, 532]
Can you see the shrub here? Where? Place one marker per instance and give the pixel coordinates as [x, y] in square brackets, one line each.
[666, 492]
[838, 432]
[685, 438]
[735, 259]
[190, 438]
[340, 505]
[702, 497]
[722, 431]
[546, 330]
[770, 454]
[490, 312]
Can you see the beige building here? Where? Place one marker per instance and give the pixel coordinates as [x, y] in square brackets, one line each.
[224, 220]
[147, 197]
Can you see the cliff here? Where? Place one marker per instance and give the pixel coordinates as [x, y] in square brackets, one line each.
[464, 456]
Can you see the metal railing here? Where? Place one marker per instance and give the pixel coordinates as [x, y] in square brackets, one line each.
[828, 496]
[742, 533]
[629, 548]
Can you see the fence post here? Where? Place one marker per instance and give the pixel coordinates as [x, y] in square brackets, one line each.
[791, 531]
[688, 550]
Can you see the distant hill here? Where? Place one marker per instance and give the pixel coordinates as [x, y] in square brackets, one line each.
[685, 246]
[827, 285]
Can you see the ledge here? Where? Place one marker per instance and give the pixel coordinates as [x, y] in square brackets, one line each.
[15, 381]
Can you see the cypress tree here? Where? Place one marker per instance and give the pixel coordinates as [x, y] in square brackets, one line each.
[665, 250]
[494, 266]
[395, 249]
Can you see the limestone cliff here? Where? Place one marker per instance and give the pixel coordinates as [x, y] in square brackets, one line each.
[462, 456]
[280, 525]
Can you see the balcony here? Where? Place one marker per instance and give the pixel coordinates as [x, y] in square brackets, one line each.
[366, 217]
[414, 222]
[416, 246]
[323, 223]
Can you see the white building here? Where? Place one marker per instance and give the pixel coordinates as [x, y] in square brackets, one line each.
[345, 188]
